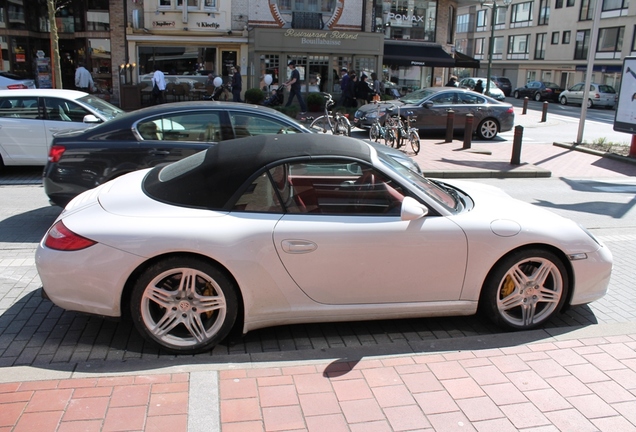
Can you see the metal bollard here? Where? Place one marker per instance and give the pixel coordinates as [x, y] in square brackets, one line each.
[468, 131]
[525, 106]
[544, 113]
[450, 119]
[516, 146]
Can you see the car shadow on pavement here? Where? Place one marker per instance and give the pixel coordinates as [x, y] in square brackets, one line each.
[34, 332]
[28, 227]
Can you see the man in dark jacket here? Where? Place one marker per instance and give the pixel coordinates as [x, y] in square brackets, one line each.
[294, 85]
[237, 84]
[363, 91]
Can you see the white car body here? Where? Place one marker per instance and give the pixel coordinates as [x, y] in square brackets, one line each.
[495, 92]
[300, 268]
[27, 126]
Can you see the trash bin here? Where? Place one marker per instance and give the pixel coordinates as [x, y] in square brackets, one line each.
[130, 98]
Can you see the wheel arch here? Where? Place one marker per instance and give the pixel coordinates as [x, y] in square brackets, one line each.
[136, 273]
[558, 252]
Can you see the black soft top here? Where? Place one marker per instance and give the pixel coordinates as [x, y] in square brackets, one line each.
[214, 178]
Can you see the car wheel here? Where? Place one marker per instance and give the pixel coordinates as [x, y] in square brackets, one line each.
[186, 305]
[487, 129]
[563, 100]
[590, 104]
[537, 97]
[517, 95]
[525, 289]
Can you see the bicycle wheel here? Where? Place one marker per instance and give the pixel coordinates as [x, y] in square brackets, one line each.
[374, 132]
[321, 124]
[414, 139]
[343, 127]
[389, 137]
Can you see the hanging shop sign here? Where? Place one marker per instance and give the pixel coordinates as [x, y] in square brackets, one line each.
[163, 24]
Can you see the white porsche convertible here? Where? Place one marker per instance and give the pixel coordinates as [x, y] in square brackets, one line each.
[282, 229]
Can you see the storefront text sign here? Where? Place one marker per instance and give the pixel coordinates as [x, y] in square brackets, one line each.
[163, 23]
[320, 38]
[400, 17]
[213, 25]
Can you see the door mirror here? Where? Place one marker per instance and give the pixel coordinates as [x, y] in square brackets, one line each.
[90, 118]
[412, 209]
[428, 104]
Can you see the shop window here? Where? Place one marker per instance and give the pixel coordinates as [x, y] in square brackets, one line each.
[99, 64]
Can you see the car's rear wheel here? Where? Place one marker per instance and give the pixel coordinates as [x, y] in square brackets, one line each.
[563, 100]
[537, 97]
[590, 104]
[487, 129]
[525, 289]
[517, 95]
[184, 304]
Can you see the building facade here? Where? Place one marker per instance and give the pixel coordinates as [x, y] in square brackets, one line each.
[548, 40]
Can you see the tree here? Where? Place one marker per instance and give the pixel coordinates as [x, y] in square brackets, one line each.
[53, 7]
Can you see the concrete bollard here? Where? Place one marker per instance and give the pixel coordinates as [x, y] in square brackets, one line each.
[468, 131]
[450, 119]
[544, 113]
[516, 146]
[525, 106]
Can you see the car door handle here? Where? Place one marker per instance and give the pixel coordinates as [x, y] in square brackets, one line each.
[299, 246]
[160, 153]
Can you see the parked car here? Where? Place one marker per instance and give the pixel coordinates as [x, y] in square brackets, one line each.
[282, 229]
[10, 81]
[30, 118]
[539, 90]
[494, 92]
[81, 160]
[430, 105]
[600, 95]
[503, 83]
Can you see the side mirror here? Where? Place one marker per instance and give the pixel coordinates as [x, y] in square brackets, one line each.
[90, 118]
[428, 104]
[412, 210]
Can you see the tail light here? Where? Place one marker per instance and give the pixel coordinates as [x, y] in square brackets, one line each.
[16, 87]
[597, 96]
[511, 110]
[61, 238]
[548, 90]
[56, 153]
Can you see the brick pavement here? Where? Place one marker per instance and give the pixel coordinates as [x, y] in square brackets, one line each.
[62, 371]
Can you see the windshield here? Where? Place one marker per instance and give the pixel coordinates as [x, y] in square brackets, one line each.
[101, 106]
[444, 197]
[416, 96]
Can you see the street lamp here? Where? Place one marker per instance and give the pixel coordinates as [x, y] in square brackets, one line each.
[492, 4]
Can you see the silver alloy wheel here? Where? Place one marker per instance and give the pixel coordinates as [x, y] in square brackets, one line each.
[563, 100]
[184, 304]
[590, 104]
[530, 291]
[537, 97]
[488, 129]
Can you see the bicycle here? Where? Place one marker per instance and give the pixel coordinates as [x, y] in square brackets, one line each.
[336, 123]
[412, 133]
[402, 131]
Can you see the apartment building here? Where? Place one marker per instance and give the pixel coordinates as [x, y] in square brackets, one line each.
[548, 40]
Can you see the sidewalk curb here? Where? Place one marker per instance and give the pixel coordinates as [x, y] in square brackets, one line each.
[608, 155]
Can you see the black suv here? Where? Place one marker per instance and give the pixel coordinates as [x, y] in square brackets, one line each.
[503, 83]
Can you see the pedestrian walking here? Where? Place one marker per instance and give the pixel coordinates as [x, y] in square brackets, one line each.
[363, 91]
[294, 87]
[158, 86]
[479, 87]
[83, 79]
[237, 84]
[350, 91]
[452, 81]
[344, 85]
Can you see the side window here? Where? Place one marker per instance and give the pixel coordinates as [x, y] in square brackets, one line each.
[58, 109]
[193, 126]
[470, 98]
[444, 98]
[323, 187]
[20, 107]
[251, 125]
[577, 87]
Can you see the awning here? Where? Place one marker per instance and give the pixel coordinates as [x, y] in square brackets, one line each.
[462, 60]
[403, 53]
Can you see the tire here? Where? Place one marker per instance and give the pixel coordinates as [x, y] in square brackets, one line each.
[590, 104]
[321, 123]
[389, 137]
[343, 127]
[185, 317]
[525, 289]
[487, 129]
[537, 97]
[517, 95]
[374, 132]
[563, 100]
[414, 139]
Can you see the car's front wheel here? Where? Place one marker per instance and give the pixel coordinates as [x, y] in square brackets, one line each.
[537, 97]
[487, 129]
[517, 95]
[184, 304]
[525, 289]
[563, 100]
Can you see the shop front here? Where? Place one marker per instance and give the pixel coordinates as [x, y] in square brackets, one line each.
[319, 56]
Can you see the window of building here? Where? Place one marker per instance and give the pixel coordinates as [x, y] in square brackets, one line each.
[555, 38]
[582, 44]
[451, 21]
[481, 20]
[193, 5]
[587, 10]
[463, 23]
[500, 16]
[518, 44]
[415, 19]
[566, 37]
[634, 39]
[610, 39]
[307, 5]
[558, 4]
[539, 48]
[479, 46]
[609, 5]
[498, 44]
[521, 14]
[544, 12]
[569, 3]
